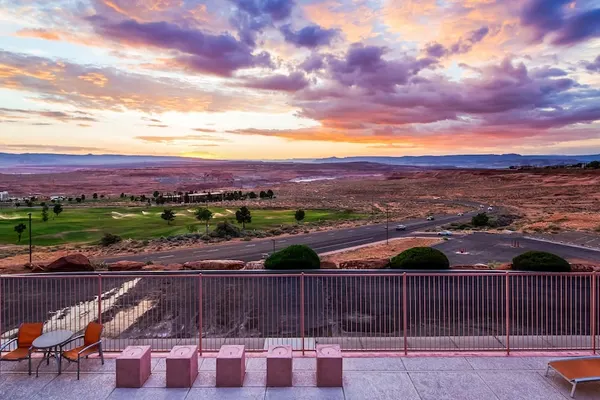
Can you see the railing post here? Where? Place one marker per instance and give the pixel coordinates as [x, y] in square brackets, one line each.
[99, 298]
[404, 313]
[593, 311]
[507, 312]
[200, 313]
[302, 310]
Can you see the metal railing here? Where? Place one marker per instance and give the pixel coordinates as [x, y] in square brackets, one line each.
[368, 311]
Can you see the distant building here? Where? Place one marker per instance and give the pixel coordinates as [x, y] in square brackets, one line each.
[4, 196]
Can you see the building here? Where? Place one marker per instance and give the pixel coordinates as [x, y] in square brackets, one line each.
[4, 196]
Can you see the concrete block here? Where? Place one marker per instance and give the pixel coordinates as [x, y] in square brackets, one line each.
[133, 367]
[231, 366]
[182, 366]
[279, 366]
[329, 365]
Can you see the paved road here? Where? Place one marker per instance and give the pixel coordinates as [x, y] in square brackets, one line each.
[321, 242]
[485, 248]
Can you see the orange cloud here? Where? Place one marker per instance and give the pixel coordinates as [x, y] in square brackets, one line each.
[94, 78]
[39, 34]
[356, 23]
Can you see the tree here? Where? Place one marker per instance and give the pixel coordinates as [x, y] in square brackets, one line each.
[243, 216]
[155, 194]
[57, 209]
[17, 204]
[299, 216]
[168, 215]
[122, 195]
[95, 196]
[262, 194]
[480, 219]
[83, 197]
[252, 195]
[29, 203]
[45, 213]
[43, 204]
[101, 196]
[204, 214]
[20, 229]
[78, 199]
[294, 257]
[270, 194]
[540, 261]
[594, 165]
[132, 198]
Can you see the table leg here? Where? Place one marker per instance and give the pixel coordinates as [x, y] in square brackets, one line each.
[58, 360]
[45, 358]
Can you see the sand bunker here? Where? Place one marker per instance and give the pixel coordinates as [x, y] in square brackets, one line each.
[229, 211]
[217, 215]
[117, 215]
[4, 217]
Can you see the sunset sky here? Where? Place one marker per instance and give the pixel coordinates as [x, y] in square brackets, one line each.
[271, 79]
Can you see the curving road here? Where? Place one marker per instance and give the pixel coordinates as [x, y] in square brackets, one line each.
[321, 242]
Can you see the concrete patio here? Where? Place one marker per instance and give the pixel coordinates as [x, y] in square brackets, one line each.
[426, 378]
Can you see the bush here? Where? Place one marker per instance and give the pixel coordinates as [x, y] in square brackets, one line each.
[294, 257]
[540, 261]
[225, 229]
[480, 219]
[420, 258]
[109, 239]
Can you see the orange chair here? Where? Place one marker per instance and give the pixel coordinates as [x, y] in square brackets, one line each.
[92, 343]
[27, 333]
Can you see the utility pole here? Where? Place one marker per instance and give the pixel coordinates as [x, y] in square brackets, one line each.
[30, 250]
[387, 225]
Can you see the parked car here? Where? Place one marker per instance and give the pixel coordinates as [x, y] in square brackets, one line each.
[400, 227]
[445, 233]
[490, 208]
[461, 214]
[264, 256]
[430, 218]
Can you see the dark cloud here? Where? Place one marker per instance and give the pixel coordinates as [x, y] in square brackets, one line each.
[311, 36]
[593, 66]
[365, 67]
[285, 83]
[461, 46]
[213, 54]
[251, 17]
[548, 72]
[313, 63]
[552, 16]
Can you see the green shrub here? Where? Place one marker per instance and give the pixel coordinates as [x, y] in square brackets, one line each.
[540, 261]
[226, 229]
[109, 239]
[294, 257]
[480, 219]
[420, 258]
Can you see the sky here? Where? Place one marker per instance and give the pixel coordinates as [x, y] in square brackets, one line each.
[274, 79]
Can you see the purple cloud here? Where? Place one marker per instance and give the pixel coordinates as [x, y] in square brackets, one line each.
[550, 16]
[593, 66]
[310, 36]
[285, 83]
[462, 46]
[214, 54]
[313, 63]
[251, 17]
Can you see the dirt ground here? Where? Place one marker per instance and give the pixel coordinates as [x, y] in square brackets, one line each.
[382, 250]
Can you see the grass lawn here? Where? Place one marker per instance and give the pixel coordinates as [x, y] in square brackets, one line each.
[89, 224]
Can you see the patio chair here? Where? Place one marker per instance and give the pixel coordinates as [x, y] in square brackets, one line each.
[27, 333]
[576, 369]
[92, 343]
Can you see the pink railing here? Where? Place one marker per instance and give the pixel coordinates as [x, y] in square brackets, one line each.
[362, 311]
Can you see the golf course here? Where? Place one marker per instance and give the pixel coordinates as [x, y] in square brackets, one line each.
[80, 224]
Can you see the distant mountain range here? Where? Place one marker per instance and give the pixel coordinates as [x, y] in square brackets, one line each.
[465, 161]
[39, 160]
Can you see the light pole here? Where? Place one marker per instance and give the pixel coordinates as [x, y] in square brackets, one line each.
[30, 251]
[387, 226]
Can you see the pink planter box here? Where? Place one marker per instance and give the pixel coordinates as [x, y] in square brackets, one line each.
[133, 367]
[231, 366]
[279, 366]
[182, 366]
[329, 365]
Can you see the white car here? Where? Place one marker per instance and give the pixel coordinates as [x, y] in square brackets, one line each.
[400, 227]
[461, 214]
[490, 208]
[445, 233]
[430, 218]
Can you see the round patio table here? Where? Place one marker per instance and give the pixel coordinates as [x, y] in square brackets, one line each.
[50, 343]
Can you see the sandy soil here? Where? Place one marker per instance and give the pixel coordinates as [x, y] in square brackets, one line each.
[382, 250]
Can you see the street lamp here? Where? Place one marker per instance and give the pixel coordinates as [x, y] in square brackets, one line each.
[30, 251]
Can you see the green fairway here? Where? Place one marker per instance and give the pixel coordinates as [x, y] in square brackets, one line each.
[89, 224]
